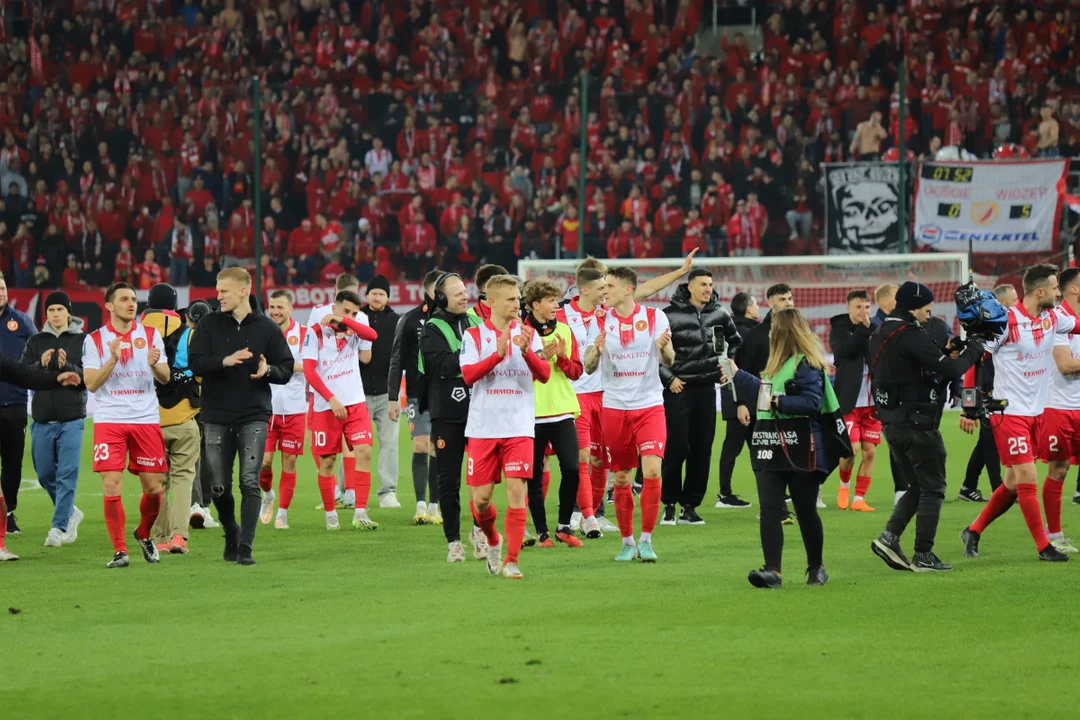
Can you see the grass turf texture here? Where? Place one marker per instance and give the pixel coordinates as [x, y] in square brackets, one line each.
[379, 623]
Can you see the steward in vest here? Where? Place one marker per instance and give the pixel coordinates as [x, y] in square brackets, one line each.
[798, 438]
[556, 414]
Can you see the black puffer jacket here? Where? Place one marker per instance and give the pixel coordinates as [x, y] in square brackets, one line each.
[850, 343]
[406, 352]
[692, 336]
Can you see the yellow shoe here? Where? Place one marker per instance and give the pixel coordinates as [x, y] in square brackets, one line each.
[861, 506]
[842, 498]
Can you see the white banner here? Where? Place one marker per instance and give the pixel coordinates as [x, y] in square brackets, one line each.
[995, 206]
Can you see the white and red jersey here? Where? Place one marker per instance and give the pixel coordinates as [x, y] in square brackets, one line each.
[318, 313]
[864, 390]
[291, 398]
[586, 328]
[128, 397]
[1024, 358]
[630, 364]
[337, 358]
[1064, 390]
[503, 404]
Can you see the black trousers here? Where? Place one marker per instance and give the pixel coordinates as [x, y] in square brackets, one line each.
[803, 488]
[984, 454]
[736, 437]
[691, 427]
[563, 438]
[920, 458]
[449, 439]
[12, 445]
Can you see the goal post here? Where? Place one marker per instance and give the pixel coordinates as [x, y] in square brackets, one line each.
[819, 283]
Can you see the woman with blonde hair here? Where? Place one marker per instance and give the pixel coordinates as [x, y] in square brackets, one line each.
[795, 442]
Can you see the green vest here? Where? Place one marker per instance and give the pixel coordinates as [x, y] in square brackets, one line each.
[556, 396]
[829, 403]
[451, 339]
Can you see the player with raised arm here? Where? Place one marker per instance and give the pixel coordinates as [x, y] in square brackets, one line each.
[633, 341]
[285, 431]
[1023, 361]
[121, 361]
[331, 359]
[499, 360]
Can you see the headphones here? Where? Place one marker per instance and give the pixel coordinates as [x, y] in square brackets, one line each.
[441, 301]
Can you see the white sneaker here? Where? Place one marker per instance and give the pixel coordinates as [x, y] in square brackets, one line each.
[332, 521]
[510, 570]
[606, 525]
[896, 497]
[389, 500]
[266, 513]
[361, 521]
[6, 555]
[456, 552]
[208, 520]
[53, 539]
[479, 544]
[820, 504]
[281, 522]
[420, 518]
[494, 557]
[592, 528]
[348, 500]
[74, 521]
[575, 521]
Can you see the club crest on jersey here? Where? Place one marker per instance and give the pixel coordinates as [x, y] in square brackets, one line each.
[600, 313]
[12, 325]
[1046, 323]
[293, 340]
[140, 343]
[441, 444]
[641, 325]
[520, 341]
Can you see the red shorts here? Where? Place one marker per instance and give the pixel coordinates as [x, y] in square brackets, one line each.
[140, 447]
[327, 430]
[629, 434]
[286, 433]
[590, 422]
[1016, 437]
[1059, 435]
[491, 458]
[863, 426]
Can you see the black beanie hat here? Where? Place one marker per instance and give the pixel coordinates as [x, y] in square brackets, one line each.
[161, 297]
[58, 297]
[379, 283]
[913, 295]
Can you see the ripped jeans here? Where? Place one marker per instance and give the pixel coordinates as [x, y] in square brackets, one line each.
[223, 444]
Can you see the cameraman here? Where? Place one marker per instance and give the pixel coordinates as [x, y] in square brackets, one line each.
[908, 373]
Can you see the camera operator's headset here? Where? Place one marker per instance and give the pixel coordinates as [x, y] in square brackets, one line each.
[437, 294]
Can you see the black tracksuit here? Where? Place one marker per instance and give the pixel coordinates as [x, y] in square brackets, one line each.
[406, 350]
[375, 373]
[985, 452]
[737, 435]
[446, 397]
[691, 414]
[850, 343]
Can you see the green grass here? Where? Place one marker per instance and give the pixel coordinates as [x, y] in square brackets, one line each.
[379, 625]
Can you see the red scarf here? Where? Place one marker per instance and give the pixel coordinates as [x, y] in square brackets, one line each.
[127, 351]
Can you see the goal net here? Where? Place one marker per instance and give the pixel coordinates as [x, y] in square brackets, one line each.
[819, 283]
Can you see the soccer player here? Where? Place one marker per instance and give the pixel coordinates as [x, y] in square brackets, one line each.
[1060, 426]
[499, 360]
[121, 361]
[285, 431]
[1023, 360]
[849, 338]
[332, 367]
[632, 342]
[344, 282]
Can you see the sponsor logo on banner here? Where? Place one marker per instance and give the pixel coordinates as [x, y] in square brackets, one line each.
[934, 235]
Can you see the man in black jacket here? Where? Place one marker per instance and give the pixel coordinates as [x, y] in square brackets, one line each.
[404, 359]
[744, 312]
[56, 434]
[382, 318]
[690, 393]
[237, 352]
[446, 397]
[849, 338]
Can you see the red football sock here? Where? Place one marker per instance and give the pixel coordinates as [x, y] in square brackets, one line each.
[515, 532]
[287, 485]
[1000, 501]
[487, 524]
[149, 507]
[349, 465]
[1051, 496]
[545, 481]
[1027, 497]
[360, 482]
[624, 510]
[115, 522]
[3, 521]
[266, 479]
[650, 503]
[862, 484]
[599, 484]
[584, 491]
[845, 476]
[327, 485]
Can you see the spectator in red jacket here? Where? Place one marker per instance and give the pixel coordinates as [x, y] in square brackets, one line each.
[620, 242]
[418, 242]
[743, 238]
[694, 234]
[148, 272]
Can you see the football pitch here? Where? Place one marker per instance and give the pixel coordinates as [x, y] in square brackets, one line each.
[377, 624]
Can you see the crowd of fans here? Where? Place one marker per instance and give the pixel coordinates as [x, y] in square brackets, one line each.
[400, 136]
